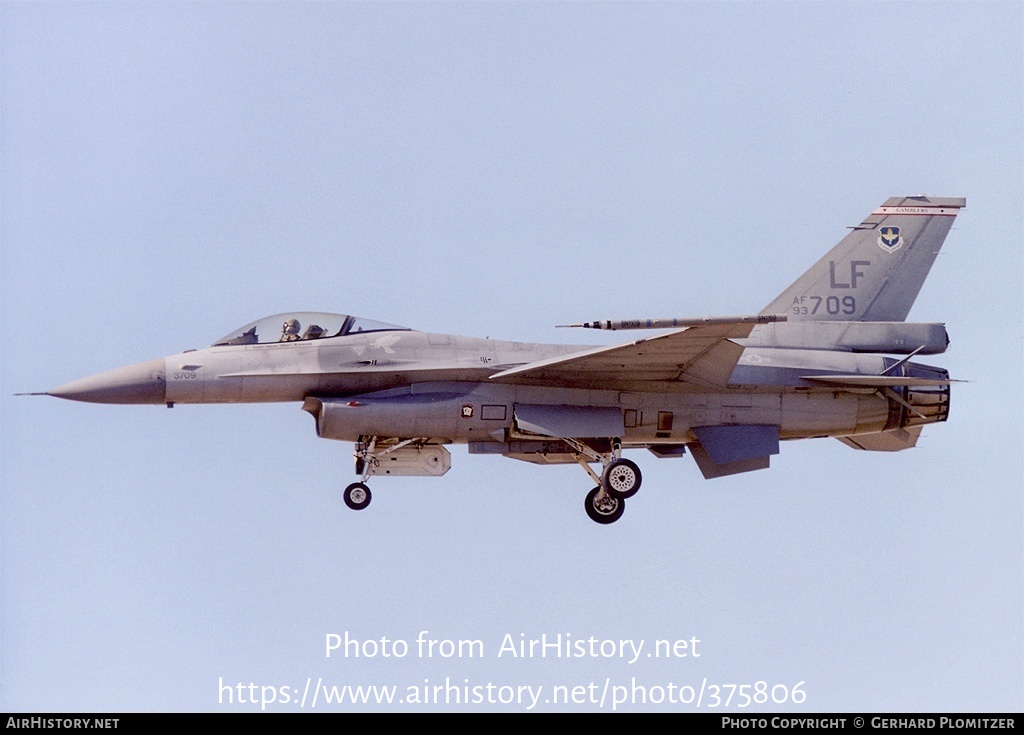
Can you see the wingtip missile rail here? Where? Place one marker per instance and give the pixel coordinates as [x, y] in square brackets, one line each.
[614, 324]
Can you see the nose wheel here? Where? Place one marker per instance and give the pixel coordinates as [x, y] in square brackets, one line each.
[357, 496]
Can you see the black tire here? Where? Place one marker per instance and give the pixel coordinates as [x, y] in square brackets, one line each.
[608, 510]
[621, 478]
[357, 496]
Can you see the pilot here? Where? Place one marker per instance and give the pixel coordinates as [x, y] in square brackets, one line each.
[290, 330]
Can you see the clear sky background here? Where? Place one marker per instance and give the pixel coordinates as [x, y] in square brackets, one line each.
[171, 171]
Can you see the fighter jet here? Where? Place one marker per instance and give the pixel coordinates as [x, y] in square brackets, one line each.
[830, 356]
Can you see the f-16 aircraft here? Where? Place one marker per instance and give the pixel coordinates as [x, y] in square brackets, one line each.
[815, 362]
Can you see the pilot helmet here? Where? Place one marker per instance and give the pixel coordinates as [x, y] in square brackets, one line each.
[291, 326]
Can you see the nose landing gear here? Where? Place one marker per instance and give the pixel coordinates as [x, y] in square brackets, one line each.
[392, 456]
[357, 496]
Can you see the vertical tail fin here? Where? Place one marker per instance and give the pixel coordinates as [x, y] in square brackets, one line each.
[875, 272]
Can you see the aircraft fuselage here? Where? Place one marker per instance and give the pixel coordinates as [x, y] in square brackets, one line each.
[439, 386]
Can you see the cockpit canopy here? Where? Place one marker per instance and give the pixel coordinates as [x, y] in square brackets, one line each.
[303, 326]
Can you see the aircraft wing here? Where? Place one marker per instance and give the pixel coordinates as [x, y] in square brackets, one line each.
[703, 356]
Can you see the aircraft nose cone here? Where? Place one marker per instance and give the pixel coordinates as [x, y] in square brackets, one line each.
[141, 383]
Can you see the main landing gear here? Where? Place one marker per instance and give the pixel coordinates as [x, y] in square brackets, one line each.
[622, 478]
[603, 507]
[619, 480]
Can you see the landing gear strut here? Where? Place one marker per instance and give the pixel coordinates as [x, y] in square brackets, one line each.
[367, 456]
[620, 479]
[357, 495]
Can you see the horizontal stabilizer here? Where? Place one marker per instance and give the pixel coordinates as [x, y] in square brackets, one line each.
[884, 441]
[878, 381]
[895, 338]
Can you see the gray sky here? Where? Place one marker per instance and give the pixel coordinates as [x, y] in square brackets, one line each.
[171, 171]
